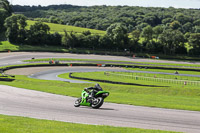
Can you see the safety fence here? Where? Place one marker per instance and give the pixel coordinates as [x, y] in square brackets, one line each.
[155, 79]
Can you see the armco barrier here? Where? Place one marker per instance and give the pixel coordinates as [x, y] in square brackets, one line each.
[172, 81]
[6, 79]
[45, 65]
[153, 67]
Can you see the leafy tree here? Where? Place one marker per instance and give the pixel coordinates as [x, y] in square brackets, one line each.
[70, 40]
[118, 34]
[53, 19]
[167, 20]
[66, 39]
[197, 22]
[141, 26]
[157, 31]
[194, 41]
[2, 19]
[54, 39]
[16, 32]
[197, 29]
[135, 37]
[86, 33]
[147, 33]
[151, 19]
[171, 40]
[175, 25]
[5, 11]
[38, 34]
[91, 41]
[187, 27]
[105, 42]
[5, 5]
[180, 17]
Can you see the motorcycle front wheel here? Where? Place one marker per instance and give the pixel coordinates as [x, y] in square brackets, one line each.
[77, 102]
[97, 103]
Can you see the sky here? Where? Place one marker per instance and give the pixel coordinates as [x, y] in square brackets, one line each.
[144, 3]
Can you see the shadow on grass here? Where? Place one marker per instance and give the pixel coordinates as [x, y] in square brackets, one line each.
[42, 48]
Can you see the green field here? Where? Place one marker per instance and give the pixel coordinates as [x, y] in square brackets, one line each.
[60, 28]
[130, 75]
[174, 96]
[131, 78]
[12, 124]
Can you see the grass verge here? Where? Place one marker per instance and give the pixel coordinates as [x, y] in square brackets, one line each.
[12, 124]
[127, 78]
[60, 28]
[174, 96]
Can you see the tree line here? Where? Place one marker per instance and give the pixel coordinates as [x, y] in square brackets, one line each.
[146, 37]
[5, 11]
[166, 41]
[101, 17]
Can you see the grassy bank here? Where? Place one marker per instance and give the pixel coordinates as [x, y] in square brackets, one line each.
[123, 77]
[5, 46]
[12, 124]
[60, 28]
[174, 96]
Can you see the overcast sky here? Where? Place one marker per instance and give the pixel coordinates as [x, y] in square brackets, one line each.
[146, 3]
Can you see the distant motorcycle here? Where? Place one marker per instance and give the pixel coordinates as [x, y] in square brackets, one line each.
[95, 102]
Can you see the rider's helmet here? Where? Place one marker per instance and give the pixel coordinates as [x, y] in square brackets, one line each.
[98, 87]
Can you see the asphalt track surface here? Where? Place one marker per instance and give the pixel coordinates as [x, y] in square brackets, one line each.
[34, 104]
[17, 57]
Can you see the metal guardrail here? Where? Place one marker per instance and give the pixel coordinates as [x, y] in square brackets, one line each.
[4, 74]
[172, 81]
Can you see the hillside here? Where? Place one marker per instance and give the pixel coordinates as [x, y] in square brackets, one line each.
[60, 28]
[101, 17]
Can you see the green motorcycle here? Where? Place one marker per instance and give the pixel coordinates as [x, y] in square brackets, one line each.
[95, 102]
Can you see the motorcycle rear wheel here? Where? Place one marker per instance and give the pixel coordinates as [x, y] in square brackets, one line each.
[98, 104]
[77, 102]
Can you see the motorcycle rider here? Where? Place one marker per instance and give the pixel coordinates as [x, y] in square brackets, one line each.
[93, 91]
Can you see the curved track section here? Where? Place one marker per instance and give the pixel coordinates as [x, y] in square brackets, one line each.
[28, 103]
[17, 57]
[53, 74]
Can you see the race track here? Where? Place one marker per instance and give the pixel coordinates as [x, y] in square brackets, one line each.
[28, 103]
[34, 104]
